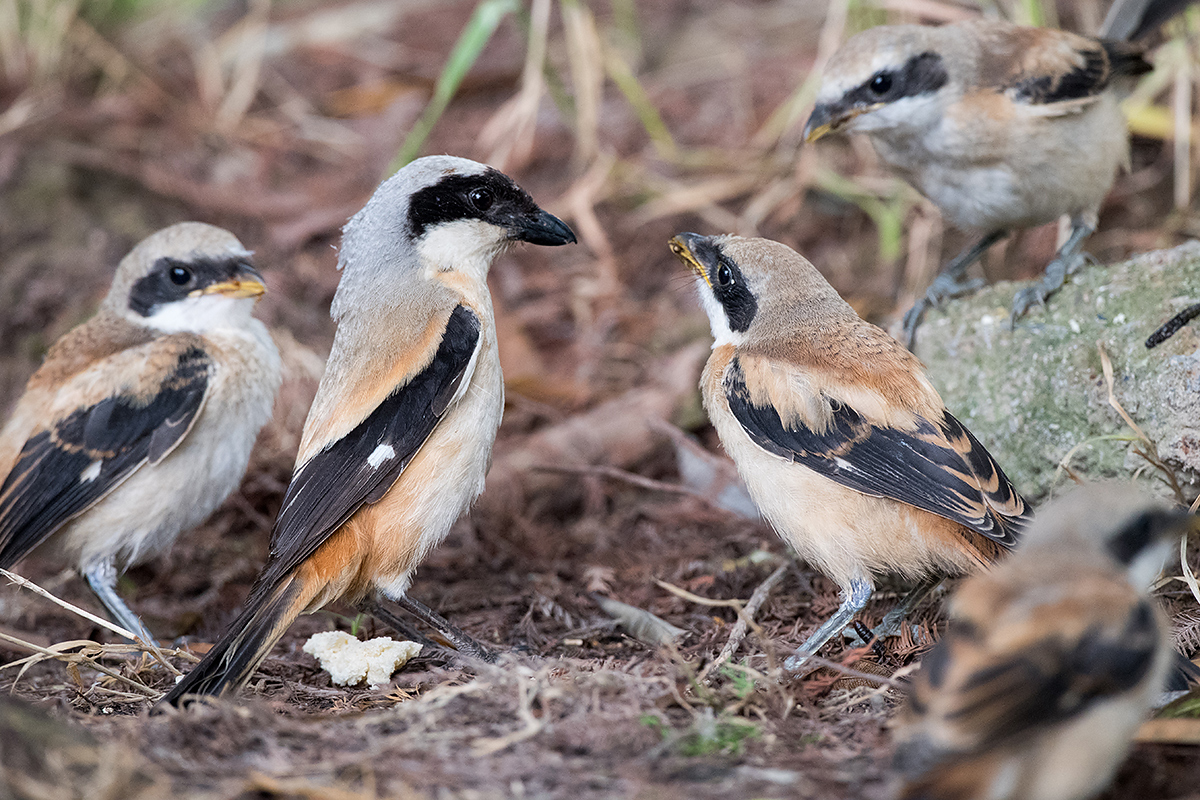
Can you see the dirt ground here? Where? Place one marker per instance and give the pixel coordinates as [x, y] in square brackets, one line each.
[277, 123]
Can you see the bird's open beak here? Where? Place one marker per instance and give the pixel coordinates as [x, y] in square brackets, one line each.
[831, 118]
[246, 283]
[683, 245]
[545, 229]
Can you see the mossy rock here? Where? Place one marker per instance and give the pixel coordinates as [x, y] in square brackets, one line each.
[1036, 393]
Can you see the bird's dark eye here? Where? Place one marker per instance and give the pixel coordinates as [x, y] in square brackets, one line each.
[881, 83]
[179, 275]
[481, 198]
[724, 275]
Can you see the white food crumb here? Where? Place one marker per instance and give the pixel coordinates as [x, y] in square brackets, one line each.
[1074, 326]
[348, 661]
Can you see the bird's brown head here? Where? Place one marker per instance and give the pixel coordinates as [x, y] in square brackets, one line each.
[884, 77]
[757, 289]
[183, 276]
[1121, 521]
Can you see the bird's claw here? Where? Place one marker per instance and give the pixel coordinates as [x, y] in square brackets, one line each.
[912, 318]
[1056, 275]
[944, 287]
[1026, 299]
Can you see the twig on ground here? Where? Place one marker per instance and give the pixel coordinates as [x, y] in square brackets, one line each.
[149, 647]
[89, 658]
[626, 476]
[25, 583]
[851, 672]
[745, 619]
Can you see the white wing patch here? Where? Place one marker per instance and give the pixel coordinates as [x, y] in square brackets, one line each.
[845, 465]
[92, 472]
[383, 453]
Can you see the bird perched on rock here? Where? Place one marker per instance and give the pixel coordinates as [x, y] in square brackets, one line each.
[842, 441]
[1001, 126]
[141, 420]
[400, 434]
[1050, 661]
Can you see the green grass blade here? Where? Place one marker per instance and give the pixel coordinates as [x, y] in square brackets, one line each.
[888, 213]
[637, 97]
[478, 32]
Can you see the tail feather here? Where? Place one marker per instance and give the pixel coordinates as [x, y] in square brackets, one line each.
[1184, 675]
[1131, 20]
[232, 661]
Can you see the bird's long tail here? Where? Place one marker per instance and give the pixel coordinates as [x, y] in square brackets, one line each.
[1130, 20]
[231, 661]
[1184, 675]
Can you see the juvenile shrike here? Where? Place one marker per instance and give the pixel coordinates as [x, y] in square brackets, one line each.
[1051, 660]
[1001, 126]
[141, 420]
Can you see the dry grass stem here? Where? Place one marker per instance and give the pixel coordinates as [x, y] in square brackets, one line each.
[851, 672]
[25, 583]
[745, 619]
[585, 57]
[509, 135]
[244, 47]
[625, 476]
[1148, 450]
[149, 647]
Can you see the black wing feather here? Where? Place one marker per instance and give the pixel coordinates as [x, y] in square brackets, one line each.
[47, 487]
[913, 467]
[1100, 65]
[1049, 682]
[337, 481]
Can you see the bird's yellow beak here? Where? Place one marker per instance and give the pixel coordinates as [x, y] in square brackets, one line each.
[681, 250]
[812, 134]
[828, 119]
[244, 286]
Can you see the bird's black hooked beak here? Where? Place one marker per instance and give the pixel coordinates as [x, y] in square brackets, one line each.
[541, 228]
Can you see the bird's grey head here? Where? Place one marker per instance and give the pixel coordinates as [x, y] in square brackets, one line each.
[439, 214]
[888, 77]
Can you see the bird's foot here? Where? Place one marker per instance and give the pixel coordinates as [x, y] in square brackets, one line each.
[1037, 294]
[945, 287]
[1026, 299]
[799, 664]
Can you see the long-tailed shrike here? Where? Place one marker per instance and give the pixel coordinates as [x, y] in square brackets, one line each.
[841, 439]
[400, 434]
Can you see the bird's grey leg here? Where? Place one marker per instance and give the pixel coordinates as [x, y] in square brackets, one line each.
[461, 641]
[949, 284]
[373, 607]
[1068, 259]
[102, 578]
[890, 625]
[855, 598]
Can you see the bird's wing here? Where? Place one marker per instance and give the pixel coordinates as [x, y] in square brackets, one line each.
[984, 684]
[360, 467]
[1059, 70]
[937, 465]
[92, 446]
